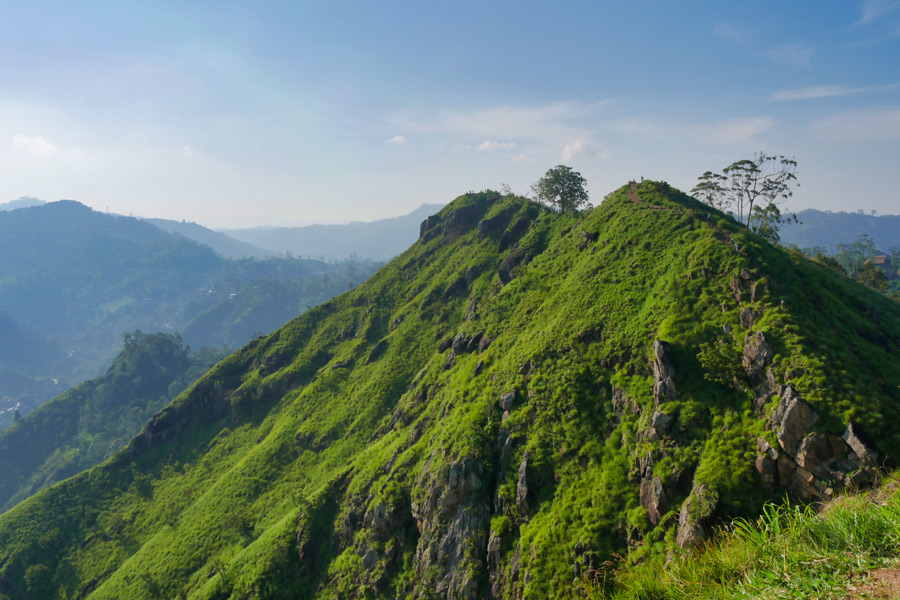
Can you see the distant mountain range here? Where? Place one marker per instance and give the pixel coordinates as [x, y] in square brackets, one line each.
[222, 244]
[72, 280]
[22, 202]
[375, 240]
[828, 229]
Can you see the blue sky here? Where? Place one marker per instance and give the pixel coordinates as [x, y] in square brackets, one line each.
[236, 114]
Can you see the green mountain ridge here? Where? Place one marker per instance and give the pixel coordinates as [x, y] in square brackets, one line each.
[513, 401]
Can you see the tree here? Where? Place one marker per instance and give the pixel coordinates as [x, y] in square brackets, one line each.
[764, 181]
[563, 189]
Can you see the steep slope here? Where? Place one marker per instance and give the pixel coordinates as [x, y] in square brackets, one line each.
[375, 240]
[495, 413]
[88, 423]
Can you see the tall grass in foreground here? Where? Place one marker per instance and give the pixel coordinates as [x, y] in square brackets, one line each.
[789, 552]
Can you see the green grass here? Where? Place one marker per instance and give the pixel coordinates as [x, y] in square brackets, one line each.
[790, 551]
[302, 438]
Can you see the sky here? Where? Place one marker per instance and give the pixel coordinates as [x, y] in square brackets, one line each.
[238, 114]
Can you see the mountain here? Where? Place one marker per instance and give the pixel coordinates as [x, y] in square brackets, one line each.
[88, 423]
[79, 279]
[377, 240]
[22, 202]
[515, 400]
[828, 229]
[222, 244]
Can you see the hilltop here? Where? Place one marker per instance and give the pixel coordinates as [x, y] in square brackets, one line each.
[516, 399]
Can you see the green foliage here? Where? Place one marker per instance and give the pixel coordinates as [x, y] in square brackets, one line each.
[787, 552]
[353, 452]
[92, 421]
[563, 189]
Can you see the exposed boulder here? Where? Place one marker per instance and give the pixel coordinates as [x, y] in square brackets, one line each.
[460, 343]
[494, 225]
[758, 353]
[427, 228]
[663, 373]
[653, 498]
[522, 488]
[484, 344]
[660, 424]
[793, 417]
[514, 233]
[507, 400]
[445, 345]
[699, 506]
[460, 220]
[825, 456]
[512, 260]
[472, 346]
[855, 439]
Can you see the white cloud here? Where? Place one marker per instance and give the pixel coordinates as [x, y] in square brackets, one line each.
[34, 144]
[816, 91]
[398, 140]
[798, 55]
[872, 10]
[488, 145]
[739, 131]
[727, 31]
[868, 126]
[581, 147]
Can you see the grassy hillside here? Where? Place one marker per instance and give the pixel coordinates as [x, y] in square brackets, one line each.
[87, 424]
[514, 400]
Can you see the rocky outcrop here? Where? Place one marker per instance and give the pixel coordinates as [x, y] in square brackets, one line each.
[460, 220]
[863, 449]
[428, 228]
[653, 496]
[811, 465]
[663, 373]
[453, 522]
[793, 417]
[512, 260]
[507, 400]
[495, 225]
[522, 488]
[758, 353]
[695, 512]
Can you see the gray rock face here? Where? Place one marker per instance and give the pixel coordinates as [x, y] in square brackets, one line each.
[661, 423]
[427, 227]
[453, 522]
[758, 353]
[507, 400]
[460, 343]
[460, 220]
[653, 498]
[794, 417]
[825, 456]
[522, 488]
[663, 373]
[493, 226]
[698, 507]
[512, 260]
[867, 455]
